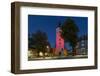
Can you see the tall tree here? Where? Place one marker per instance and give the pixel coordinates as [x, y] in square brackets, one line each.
[39, 41]
[69, 33]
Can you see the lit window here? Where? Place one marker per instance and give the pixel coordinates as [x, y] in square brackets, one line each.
[82, 44]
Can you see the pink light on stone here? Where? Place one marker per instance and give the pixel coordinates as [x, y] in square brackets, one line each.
[59, 40]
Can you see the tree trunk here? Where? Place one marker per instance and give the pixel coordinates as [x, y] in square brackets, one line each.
[74, 51]
[38, 54]
[43, 55]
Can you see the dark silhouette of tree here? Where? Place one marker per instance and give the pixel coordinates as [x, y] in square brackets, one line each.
[30, 45]
[69, 33]
[39, 41]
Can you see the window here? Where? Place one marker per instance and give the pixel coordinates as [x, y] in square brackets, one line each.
[59, 42]
[59, 39]
[82, 44]
[82, 41]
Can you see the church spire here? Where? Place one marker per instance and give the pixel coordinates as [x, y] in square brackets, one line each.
[59, 24]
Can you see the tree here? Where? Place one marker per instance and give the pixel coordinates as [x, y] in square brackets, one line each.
[30, 45]
[39, 41]
[69, 33]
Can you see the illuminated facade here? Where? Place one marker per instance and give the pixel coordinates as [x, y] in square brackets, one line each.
[59, 41]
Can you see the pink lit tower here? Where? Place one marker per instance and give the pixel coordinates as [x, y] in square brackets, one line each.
[59, 41]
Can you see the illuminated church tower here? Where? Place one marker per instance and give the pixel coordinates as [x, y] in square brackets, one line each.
[59, 41]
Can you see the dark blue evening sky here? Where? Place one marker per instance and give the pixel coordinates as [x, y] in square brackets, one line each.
[48, 24]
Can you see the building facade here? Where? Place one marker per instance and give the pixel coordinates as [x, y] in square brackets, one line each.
[82, 46]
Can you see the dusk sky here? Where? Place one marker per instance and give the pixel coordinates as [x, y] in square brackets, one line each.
[48, 24]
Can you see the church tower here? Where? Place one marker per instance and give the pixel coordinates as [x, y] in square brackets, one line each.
[59, 41]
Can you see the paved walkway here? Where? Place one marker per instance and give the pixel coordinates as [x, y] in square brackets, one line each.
[60, 57]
